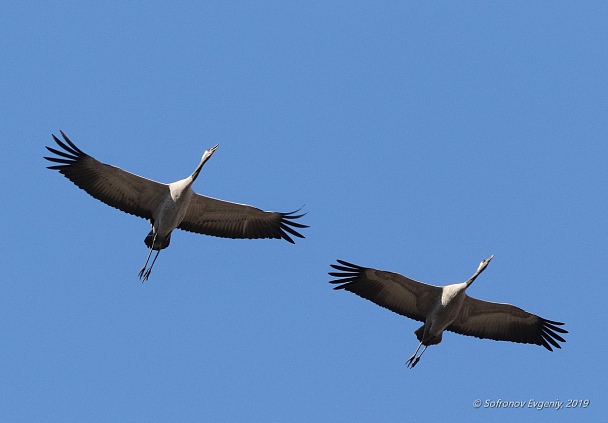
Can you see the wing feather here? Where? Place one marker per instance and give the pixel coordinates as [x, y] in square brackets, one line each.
[116, 187]
[210, 216]
[505, 322]
[390, 290]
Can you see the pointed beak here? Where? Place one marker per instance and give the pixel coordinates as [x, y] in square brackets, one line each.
[490, 258]
[212, 149]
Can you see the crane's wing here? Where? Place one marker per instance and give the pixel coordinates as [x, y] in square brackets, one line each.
[210, 216]
[505, 322]
[390, 290]
[112, 185]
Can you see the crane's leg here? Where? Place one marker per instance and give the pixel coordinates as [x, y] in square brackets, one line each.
[413, 360]
[143, 269]
[147, 274]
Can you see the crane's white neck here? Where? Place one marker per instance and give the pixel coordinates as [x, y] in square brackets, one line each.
[482, 266]
[206, 156]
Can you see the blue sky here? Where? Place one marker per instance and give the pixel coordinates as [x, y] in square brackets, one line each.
[419, 137]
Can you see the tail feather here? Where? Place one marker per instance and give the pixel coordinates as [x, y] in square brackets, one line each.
[433, 341]
[160, 244]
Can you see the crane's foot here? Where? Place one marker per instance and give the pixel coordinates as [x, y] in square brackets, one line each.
[409, 361]
[412, 361]
[144, 274]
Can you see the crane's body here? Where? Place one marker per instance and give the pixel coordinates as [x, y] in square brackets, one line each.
[170, 213]
[169, 206]
[446, 308]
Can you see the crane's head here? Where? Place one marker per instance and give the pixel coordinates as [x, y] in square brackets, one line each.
[481, 268]
[484, 264]
[208, 153]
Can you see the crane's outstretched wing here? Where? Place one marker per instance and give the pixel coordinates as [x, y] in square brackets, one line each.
[210, 216]
[390, 290]
[505, 322]
[112, 185]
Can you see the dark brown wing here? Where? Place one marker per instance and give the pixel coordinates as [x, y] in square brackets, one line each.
[505, 322]
[112, 185]
[390, 290]
[210, 216]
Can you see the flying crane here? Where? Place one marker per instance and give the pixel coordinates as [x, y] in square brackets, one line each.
[169, 206]
[446, 308]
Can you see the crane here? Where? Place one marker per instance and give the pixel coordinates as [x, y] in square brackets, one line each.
[169, 206]
[446, 308]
